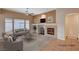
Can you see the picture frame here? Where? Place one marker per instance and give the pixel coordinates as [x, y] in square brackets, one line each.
[50, 19]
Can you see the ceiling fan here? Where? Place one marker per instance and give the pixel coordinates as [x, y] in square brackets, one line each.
[28, 13]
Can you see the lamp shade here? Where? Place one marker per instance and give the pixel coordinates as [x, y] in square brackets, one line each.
[43, 16]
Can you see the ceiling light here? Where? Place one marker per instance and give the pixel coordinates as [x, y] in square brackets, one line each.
[28, 13]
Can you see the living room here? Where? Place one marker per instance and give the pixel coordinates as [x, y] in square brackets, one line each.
[16, 24]
[38, 29]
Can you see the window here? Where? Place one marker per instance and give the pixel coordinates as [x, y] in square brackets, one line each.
[27, 24]
[18, 24]
[8, 24]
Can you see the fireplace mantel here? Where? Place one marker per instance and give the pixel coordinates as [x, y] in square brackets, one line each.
[45, 24]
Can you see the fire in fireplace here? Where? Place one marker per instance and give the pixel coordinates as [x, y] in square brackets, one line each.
[50, 31]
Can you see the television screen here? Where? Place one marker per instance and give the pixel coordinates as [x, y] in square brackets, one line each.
[42, 20]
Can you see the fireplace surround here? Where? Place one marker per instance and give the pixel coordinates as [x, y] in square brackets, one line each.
[45, 29]
[50, 31]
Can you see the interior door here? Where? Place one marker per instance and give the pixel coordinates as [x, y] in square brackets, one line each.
[71, 26]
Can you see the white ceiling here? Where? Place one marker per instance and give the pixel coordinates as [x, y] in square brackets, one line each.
[31, 10]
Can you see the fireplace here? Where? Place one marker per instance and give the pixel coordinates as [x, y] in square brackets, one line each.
[50, 31]
[41, 30]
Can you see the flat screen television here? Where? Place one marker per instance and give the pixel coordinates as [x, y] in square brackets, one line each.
[42, 20]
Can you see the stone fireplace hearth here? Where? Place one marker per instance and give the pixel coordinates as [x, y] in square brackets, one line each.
[41, 31]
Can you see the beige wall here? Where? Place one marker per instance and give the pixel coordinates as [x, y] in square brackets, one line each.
[6, 13]
[50, 13]
[60, 19]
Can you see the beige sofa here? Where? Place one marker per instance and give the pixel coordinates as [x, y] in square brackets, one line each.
[11, 46]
